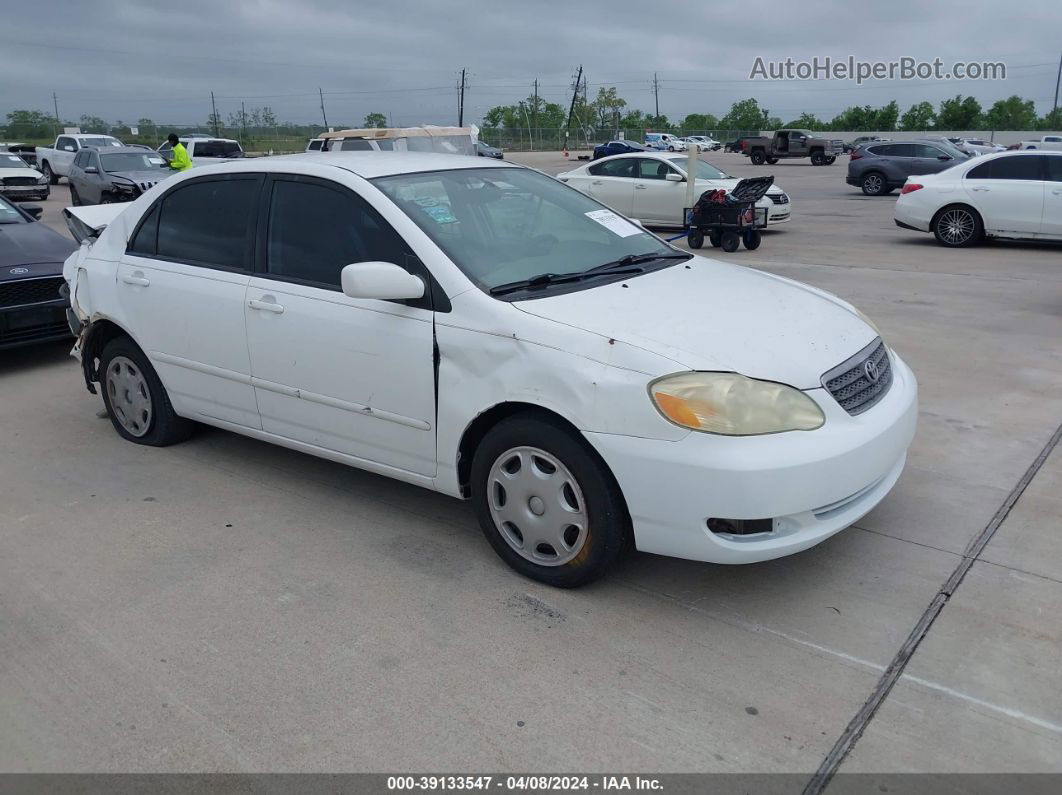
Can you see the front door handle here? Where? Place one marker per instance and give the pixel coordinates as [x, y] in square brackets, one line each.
[137, 279]
[640, 187]
[980, 188]
[1057, 192]
[266, 306]
[597, 182]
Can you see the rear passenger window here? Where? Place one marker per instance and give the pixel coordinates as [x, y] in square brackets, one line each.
[614, 168]
[1014, 167]
[354, 144]
[210, 223]
[316, 230]
[146, 237]
[1054, 167]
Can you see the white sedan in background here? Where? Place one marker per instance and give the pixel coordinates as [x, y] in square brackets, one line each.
[1015, 195]
[652, 187]
[482, 330]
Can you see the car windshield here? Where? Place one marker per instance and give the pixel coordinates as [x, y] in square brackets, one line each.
[8, 214]
[704, 170]
[503, 225]
[130, 161]
[98, 143]
[11, 161]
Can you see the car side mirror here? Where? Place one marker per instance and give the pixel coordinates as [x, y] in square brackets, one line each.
[943, 157]
[673, 177]
[34, 210]
[68, 149]
[91, 170]
[383, 280]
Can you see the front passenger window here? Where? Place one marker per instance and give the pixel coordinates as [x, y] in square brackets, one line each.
[316, 230]
[210, 222]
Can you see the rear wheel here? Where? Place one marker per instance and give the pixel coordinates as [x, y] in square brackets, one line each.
[873, 184]
[547, 503]
[730, 241]
[715, 238]
[772, 160]
[757, 157]
[752, 238]
[695, 238]
[74, 198]
[957, 226]
[136, 401]
[46, 170]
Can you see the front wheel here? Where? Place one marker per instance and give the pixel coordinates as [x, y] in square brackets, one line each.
[818, 158]
[772, 160]
[695, 238]
[757, 158]
[831, 160]
[957, 226]
[547, 503]
[136, 401]
[751, 238]
[53, 178]
[730, 241]
[715, 238]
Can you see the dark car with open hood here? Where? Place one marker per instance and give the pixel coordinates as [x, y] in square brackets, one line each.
[118, 174]
[32, 308]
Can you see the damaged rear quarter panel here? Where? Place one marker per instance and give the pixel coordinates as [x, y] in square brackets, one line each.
[492, 353]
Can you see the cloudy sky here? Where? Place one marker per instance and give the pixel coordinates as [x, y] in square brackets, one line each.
[127, 59]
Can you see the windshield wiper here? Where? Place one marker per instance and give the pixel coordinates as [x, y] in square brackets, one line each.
[545, 279]
[635, 259]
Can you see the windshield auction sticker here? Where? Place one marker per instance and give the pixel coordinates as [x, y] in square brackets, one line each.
[616, 224]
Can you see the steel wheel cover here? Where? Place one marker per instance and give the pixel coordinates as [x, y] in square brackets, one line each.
[956, 226]
[537, 506]
[129, 395]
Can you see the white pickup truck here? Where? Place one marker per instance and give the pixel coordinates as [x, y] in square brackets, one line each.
[55, 161]
[1045, 142]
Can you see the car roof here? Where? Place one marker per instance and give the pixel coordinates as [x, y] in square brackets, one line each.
[132, 149]
[369, 164]
[206, 138]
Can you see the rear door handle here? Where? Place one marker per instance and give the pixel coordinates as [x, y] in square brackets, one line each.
[137, 278]
[266, 306]
[1057, 192]
[640, 187]
[980, 188]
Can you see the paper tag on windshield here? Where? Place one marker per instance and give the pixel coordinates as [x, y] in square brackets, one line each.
[616, 224]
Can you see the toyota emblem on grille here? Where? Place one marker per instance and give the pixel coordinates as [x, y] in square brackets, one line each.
[19, 271]
[871, 371]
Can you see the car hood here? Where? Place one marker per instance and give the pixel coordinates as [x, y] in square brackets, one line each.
[33, 247]
[20, 172]
[729, 184]
[717, 316]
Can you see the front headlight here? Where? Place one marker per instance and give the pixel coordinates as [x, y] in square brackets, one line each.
[733, 405]
[42, 180]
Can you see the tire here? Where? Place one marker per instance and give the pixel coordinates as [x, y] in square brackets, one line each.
[46, 170]
[75, 199]
[716, 239]
[136, 401]
[590, 522]
[874, 184]
[695, 238]
[757, 157]
[831, 160]
[818, 158]
[730, 241]
[671, 149]
[751, 239]
[957, 226]
[772, 160]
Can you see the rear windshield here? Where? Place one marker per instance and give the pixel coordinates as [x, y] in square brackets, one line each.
[97, 143]
[217, 149]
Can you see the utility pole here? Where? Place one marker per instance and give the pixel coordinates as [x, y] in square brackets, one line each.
[656, 95]
[534, 111]
[575, 94]
[461, 102]
[243, 122]
[320, 93]
[1057, 81]
[214, 115]
[59, 124]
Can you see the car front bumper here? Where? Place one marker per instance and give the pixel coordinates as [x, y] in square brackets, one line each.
[810, 484]
[33, 323]
[18, 191]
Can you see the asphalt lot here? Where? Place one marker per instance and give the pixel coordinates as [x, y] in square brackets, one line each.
[229, 605]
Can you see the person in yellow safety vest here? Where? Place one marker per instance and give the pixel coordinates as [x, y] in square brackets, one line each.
[180, 160]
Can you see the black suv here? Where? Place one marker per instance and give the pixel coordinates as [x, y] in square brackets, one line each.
[879, 168]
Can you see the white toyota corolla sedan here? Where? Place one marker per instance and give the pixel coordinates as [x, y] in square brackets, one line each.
[652, 187]
[1016, 195]
[483, 330]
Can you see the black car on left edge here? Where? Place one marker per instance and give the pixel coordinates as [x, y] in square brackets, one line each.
[31, 274]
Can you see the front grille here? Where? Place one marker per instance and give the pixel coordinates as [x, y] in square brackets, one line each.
[146, 186]
[30, 291]
[20, 181]
[55, 329]
[779, 198]
[851, 383]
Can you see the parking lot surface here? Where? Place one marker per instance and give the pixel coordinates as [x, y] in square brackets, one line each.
[229, 605]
